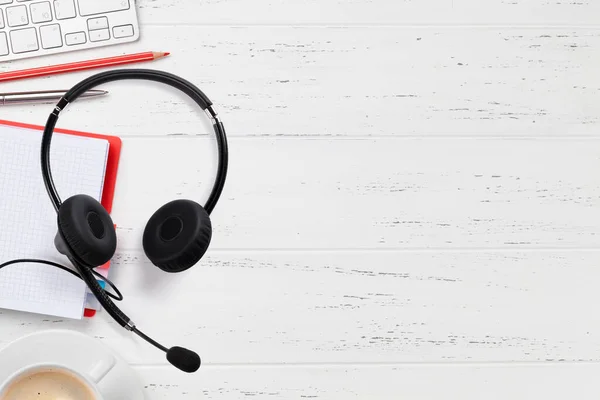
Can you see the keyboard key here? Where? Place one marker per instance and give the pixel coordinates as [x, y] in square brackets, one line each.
[99, 35]
[17, 16]
[75, 38]
[51, 36]
[64, 9]
[40, 12]
[97, 23]
[5, 2]
[93, 7]
[1, 19]
[24, 40]
[122, 31]
[3, 44]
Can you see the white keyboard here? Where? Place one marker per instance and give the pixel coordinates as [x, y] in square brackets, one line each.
[31, 28]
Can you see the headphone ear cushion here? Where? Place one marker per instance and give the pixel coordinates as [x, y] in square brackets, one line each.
[87, 229]
[177, 235]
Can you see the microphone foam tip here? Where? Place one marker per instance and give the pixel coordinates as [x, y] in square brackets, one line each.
[184, 359]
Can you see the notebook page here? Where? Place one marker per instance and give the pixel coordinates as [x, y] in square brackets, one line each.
[28, 220]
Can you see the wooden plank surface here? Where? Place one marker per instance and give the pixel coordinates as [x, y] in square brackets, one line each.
[306, 12]
[296, 307]
[372, 193]
[359, 81]
[412, 204]
[460, 382]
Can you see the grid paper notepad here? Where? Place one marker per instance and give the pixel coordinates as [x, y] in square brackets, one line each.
[28, 220]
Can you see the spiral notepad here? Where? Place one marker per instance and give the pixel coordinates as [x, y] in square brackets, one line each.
[28, 220]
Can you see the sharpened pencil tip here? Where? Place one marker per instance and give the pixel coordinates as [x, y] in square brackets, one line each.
[160, 54]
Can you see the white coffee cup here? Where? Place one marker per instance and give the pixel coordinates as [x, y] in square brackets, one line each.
[53, 381]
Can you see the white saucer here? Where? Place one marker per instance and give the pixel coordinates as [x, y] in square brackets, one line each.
[77, 351]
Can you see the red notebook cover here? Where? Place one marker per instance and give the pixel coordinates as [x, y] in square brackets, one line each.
[112, 167]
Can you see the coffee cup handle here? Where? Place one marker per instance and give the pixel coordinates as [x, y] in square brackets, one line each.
[101, 368]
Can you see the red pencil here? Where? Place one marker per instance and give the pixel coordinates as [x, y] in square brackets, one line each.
[81, 66]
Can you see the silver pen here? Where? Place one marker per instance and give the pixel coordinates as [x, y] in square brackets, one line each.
[48, 96]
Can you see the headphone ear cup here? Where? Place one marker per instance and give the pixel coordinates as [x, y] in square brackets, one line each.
[177, 235]
[87, 230]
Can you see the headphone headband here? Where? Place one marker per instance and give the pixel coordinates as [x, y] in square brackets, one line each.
[138, 74]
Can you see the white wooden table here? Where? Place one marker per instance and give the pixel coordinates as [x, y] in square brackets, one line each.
[412, 208]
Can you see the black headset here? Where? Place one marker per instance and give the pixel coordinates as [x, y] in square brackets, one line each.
[176, 236]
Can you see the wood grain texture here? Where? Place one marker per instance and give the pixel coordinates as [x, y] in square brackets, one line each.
[372, 193]
[359, 81]
[282, 308]
[305, 12]
[469, 382]
[412, 207]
